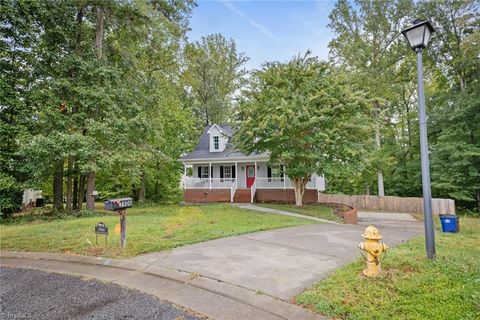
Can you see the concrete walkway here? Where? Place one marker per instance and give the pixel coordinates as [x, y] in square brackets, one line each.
[252, 276]
[253, 207]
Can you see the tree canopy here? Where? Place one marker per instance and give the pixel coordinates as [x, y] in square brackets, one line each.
[213, 74]
[107, 95]
[304, 117]
[369, 47]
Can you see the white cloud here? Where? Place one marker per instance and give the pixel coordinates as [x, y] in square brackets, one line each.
[252, 22]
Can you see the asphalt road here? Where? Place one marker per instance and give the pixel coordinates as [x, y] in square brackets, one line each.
[31, 294]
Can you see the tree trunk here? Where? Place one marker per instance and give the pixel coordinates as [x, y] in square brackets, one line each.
[58, 186]
[141, 191]
[98, 49]
[90, 189]
[381, 191]
[75, 189]
[75, 193]
[79, 30]
[99, 32]
[81, 191]
[478, 201]
[299, 184]
[69, 185]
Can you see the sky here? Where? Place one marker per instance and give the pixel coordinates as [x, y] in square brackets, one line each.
[266, 30]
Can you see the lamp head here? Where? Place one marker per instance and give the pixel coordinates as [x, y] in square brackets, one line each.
[419, 34]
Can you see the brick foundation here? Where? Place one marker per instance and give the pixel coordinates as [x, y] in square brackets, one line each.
[284, 196]
[206, 195]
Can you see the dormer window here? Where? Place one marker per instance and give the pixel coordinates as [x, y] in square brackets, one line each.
[217, 138]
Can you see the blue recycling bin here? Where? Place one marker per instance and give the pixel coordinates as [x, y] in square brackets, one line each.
[449, 223]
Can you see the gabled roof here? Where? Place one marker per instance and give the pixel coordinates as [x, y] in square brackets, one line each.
[225, 129]
[202, 150]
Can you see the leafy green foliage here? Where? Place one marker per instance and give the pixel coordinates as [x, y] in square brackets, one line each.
[456, 153]
[367, 44]
[214, 71]
[10, 195]
[105, 100]
[304, 118]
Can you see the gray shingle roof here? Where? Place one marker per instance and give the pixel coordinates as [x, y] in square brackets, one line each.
[202, 151]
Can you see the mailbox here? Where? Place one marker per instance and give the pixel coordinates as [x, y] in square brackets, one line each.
[117, 204]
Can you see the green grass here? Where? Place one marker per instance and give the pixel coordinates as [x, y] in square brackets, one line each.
[313, 210]
[149, 228]
[410, 286]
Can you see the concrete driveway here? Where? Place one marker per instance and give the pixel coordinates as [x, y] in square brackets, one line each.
[282, 263]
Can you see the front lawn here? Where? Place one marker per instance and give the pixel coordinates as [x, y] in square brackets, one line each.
[313, 210]
[410, 286]
[151, 228]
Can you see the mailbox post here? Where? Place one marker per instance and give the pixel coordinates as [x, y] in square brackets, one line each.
[120, 205]
[123, 228]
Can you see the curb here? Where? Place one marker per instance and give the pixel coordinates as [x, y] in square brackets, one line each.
[224, 292]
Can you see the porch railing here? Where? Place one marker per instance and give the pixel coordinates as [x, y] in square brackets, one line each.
[315, 183]
[253, 189]
[233, 189]
[208, 183]
[282, 183]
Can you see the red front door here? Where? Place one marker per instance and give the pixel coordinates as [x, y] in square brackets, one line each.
[250, 175]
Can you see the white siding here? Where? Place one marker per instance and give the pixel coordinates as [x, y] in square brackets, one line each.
[260, 171]
[222, 139]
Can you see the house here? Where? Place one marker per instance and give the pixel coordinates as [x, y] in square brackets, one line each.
[216, 172]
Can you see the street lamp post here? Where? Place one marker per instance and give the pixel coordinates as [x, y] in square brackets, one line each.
[418, 36]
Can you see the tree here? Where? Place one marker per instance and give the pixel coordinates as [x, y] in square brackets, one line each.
[17, 31]
[456, 152]
[454, 48]
[454, 120]
[92, 75]
[304, 118]
[366, 43]
[213, 73]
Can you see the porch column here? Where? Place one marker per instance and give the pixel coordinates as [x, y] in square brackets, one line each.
[236, 173]
[283, 171]
[184, 176]
[210, 175]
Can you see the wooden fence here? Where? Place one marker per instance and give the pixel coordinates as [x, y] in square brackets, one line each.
[390, 204]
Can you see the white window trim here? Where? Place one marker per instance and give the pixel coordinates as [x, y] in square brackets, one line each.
[205, 173]
[227, 175]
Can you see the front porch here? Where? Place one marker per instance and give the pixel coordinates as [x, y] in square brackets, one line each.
[243, 182]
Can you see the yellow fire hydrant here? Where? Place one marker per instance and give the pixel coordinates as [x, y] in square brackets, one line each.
[374, 249]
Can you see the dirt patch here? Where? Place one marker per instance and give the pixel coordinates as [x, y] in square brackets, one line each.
[96, 251]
